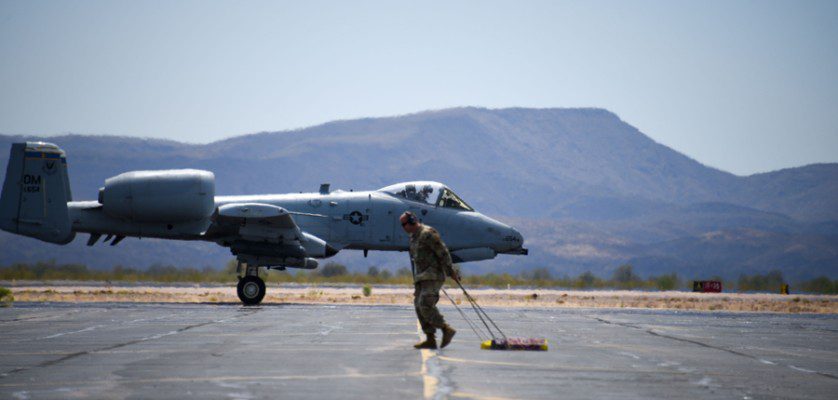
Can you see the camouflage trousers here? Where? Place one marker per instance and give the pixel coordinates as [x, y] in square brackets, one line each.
[425, 297]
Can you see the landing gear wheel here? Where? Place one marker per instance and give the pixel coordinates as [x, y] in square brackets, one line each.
[251, 290]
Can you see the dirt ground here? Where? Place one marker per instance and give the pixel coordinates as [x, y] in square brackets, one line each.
[548, 298]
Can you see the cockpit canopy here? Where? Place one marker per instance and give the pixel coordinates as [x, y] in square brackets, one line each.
[428, 192]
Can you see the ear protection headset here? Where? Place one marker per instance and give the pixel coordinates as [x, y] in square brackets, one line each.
[410, 218]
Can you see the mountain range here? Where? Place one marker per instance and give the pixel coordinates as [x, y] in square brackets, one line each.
[588, 191]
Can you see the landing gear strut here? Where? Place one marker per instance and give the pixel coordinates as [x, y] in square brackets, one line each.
[251, 288]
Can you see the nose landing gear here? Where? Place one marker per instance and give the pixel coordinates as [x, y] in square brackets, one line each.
[251, 288]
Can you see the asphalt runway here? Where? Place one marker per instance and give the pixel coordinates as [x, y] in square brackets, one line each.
[132, 350]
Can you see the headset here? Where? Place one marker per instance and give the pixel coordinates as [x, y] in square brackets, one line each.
[410, 218]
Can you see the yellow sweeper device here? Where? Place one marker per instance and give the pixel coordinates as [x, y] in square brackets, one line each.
[499, 341]
[536, 344]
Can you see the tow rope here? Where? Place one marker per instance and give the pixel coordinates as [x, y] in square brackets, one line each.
[468, 321]
[499, 341]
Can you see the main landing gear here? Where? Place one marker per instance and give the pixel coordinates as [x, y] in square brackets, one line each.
[251, 288]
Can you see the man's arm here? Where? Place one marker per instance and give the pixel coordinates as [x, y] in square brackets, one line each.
[443, 256]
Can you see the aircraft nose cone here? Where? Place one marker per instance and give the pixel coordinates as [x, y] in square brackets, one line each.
[519, 238]
[514, 239]
[510, 238]
[513, 242]
[487, 232]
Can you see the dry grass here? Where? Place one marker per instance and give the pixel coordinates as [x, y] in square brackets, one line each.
[827, 304]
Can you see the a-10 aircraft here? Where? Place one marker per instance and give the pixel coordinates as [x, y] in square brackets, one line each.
[273, 231]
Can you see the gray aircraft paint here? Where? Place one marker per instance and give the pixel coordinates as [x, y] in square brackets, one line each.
[36, 202]
[36, 193]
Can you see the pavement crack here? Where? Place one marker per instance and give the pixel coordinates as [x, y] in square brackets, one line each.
[702, 344]
[120, 345]
[436, 380]
[20, 319]
[37, 317]
[444, 385]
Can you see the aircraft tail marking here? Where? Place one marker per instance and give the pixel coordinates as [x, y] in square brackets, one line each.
[35, 193]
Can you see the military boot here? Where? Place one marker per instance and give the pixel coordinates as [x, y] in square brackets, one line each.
[447, 334]
[429, 343]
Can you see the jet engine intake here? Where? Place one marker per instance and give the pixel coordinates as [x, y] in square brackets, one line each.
[159, 196]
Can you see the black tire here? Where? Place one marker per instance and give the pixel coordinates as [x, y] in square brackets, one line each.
[251, 290]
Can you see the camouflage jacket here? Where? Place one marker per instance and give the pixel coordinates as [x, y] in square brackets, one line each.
[430, 256]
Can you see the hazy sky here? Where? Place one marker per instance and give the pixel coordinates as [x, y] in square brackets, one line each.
[745, 86]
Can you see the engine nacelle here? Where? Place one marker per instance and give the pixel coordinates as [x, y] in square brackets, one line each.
[160, 196]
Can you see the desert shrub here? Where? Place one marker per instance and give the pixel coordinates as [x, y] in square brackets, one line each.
[367, 290]
[821, 284]
[537, 274]
[6, 297]
[586, 280]
[230, 267]
[625, 278]
[667, 282]
[333, 269]
[769, 282]
[625, 274]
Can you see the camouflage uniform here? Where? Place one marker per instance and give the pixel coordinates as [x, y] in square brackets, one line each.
[433, 263]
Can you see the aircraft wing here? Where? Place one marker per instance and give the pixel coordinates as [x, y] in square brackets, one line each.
[258, 222]
[267, 223]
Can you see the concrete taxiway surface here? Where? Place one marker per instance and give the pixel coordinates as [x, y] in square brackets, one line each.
[126, 350]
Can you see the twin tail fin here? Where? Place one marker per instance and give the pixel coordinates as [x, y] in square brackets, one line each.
[35, 193]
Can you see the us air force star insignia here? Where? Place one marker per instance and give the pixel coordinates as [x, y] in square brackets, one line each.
[355, 217]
